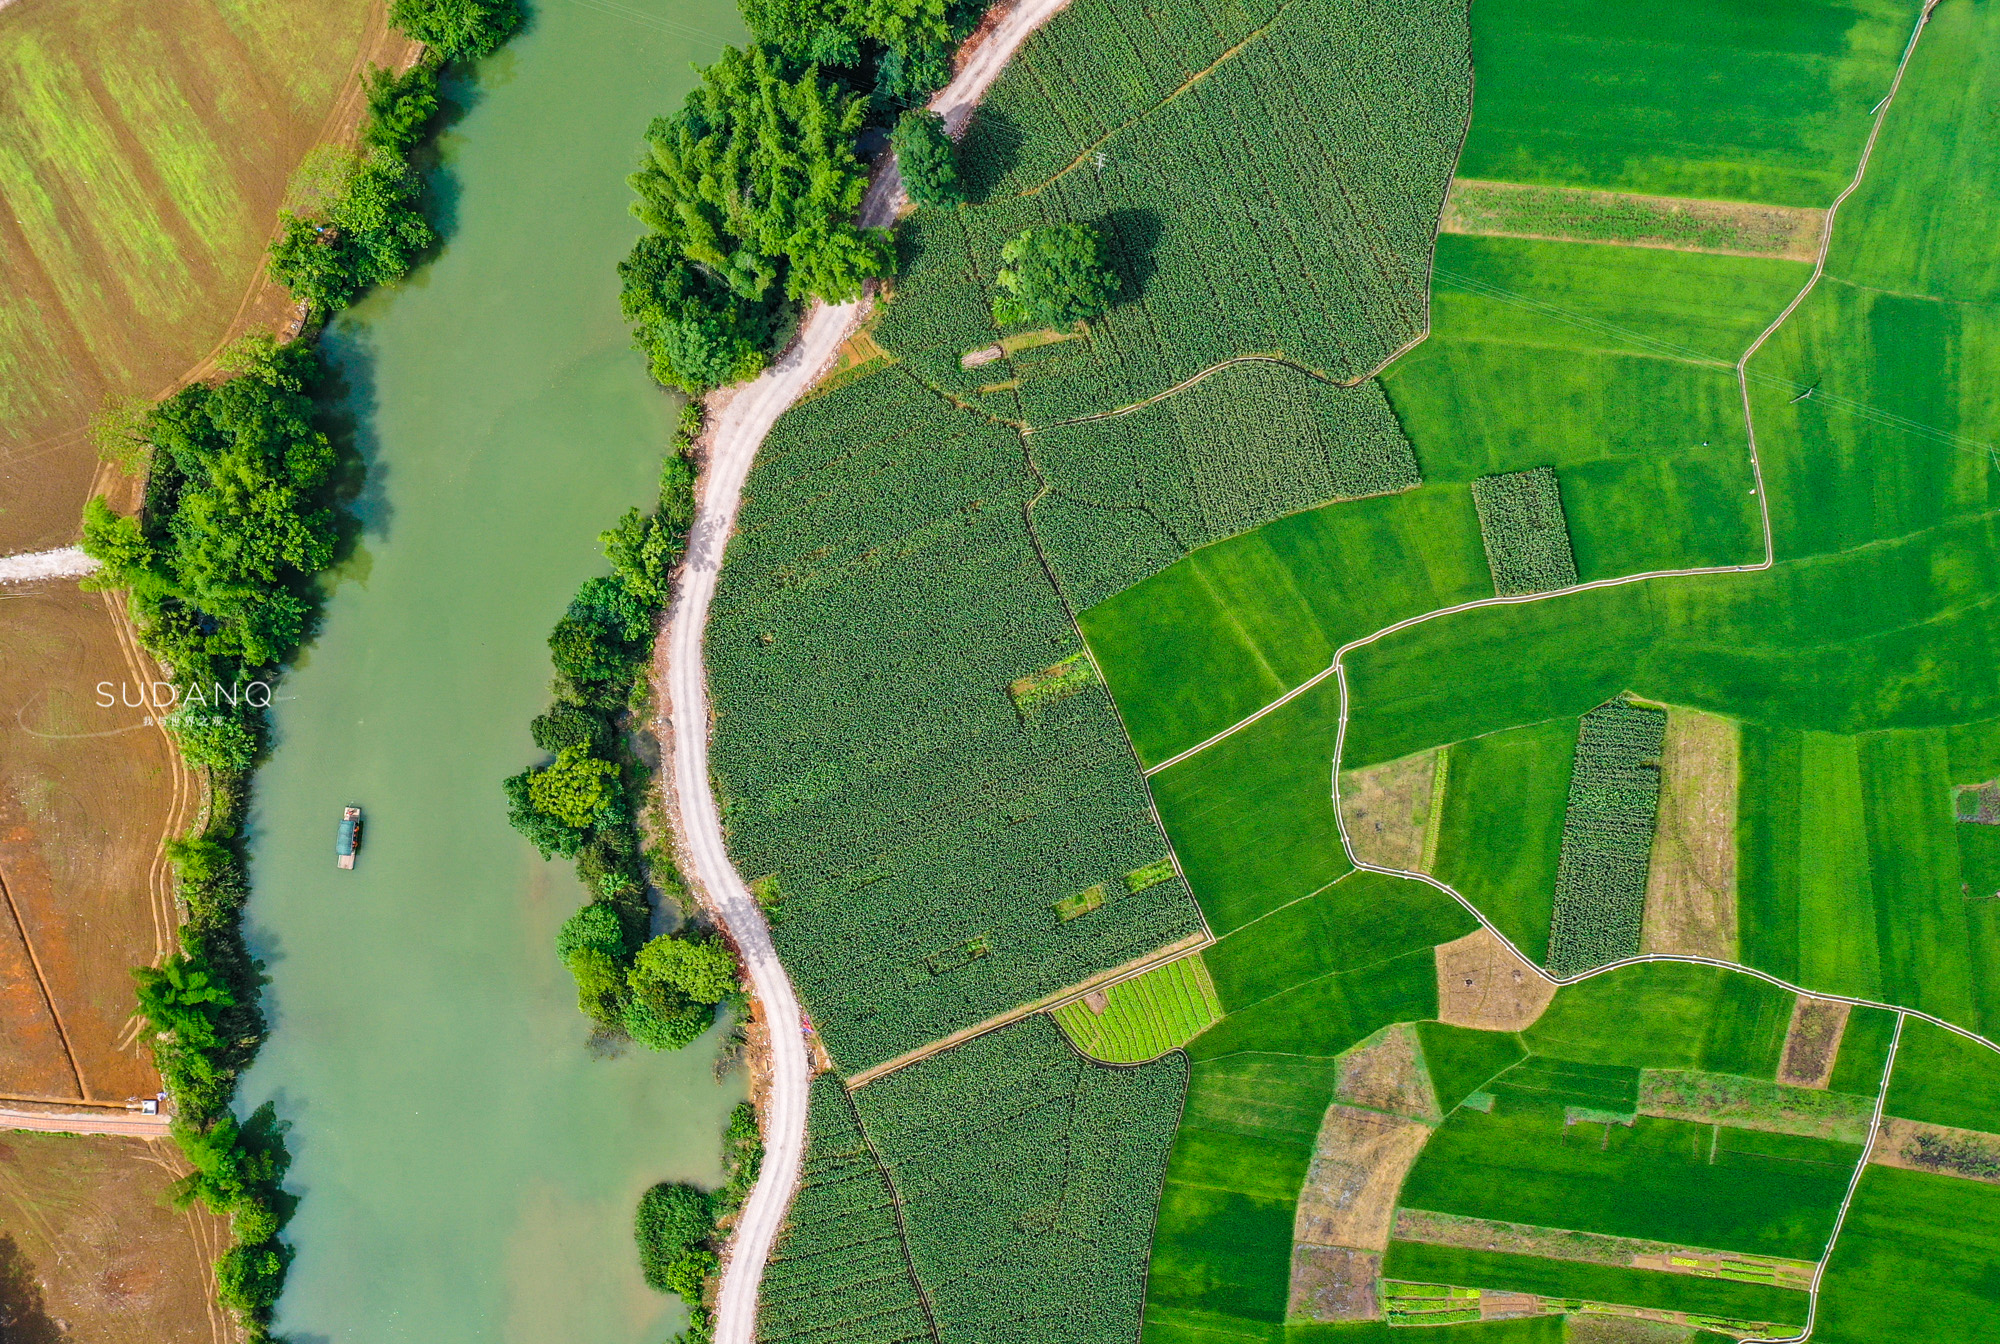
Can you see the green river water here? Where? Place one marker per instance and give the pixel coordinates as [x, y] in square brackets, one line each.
[468, 1169]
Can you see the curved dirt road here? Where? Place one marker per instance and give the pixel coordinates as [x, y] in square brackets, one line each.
[739, 420]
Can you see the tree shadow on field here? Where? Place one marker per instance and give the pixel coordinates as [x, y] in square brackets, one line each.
[24, 1319]
[1133, 236]
[989, 151]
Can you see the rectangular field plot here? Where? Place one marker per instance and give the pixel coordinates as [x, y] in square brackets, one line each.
[1510, 210]
[1527, 539]
[1222, 1255]
[1607, 843]
[1143, 1018]
[1668, 1015]
[1705, 99]
[1664, 1180]
[1499, 1270]
[1944, 1079]
[1500, 838]
[1914, 1262]
[1027, 1179]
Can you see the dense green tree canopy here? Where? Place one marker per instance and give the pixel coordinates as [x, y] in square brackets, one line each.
[1053, 275]
[458, 28]
[368, 230]
[702, 968]
[576, 788]
[928, 161]
[755, 181]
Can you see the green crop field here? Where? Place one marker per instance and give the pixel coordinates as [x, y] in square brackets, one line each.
[880, 595]
[1864, 1049]
[1915, 1261]
[1500, 1271]
[1027, 1178]
[1500, 838]
[1527, 540]
[841, 1243]
[1131, 494]
[1944, 1079]
[1223, 1253]
[1462, 1060]
[1664, 1015]
[1223, 633]
[1710, 98]
[1102, 117]
[1665, 1180]
[1147, 1016]
[1607, 844]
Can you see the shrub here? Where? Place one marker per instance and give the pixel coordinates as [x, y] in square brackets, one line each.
[1053, 275]
[672, 1227]
[928, 161]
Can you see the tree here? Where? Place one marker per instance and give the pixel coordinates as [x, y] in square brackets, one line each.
[457, 29]
[180, 996]
[576, 789]
[399, 107]
[1053, 275]
[211, 740]
[125, 558]
[673, 1225]
[829, 32]
[697, 332]
[368, 231]
[643, 552]
[756, 182]
[568, 725]
[552, 836]
[700, 968]
[594, 925]
[927, 158]
[600, 986]
[659, 1017]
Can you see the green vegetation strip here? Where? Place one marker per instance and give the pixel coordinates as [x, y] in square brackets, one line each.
[1500, 1271]
[1508, 209]
[1146, 1016]
[1607, 844]
[1527, 538]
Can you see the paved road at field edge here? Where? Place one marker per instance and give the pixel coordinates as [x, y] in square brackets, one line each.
[739, 420]
[101, 1122]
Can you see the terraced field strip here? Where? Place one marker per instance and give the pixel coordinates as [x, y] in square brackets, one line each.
[1624, 219]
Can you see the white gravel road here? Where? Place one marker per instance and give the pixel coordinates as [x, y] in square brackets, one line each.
[739, 420]
[67, 563]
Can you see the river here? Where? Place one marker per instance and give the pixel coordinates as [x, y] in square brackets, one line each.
[468, 1169]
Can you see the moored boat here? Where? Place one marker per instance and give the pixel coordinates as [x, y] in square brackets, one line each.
[349, 842]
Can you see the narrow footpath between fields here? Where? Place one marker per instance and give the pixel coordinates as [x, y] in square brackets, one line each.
[739, 419]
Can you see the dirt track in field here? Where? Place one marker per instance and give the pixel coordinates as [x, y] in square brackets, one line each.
[90, 1252]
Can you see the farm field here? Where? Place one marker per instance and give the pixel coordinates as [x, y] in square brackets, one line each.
[1912, 1237]
[1500, 838]
[1778, 113]
[87, 896]
[868, 775]
[141, 172]
[1143, 1018]
[1614, 797]
[89, 1245]
[1421, 1263]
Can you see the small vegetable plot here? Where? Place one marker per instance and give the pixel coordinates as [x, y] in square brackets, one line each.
[1607, 843]
[1527, 538]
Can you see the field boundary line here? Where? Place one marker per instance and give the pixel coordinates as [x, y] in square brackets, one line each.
[1854, 1182]
[895, 1205]
[42, 983]
[1048, 1003]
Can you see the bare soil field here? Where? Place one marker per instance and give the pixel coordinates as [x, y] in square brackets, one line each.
[86, 794]
[1483, 983]
[1335, 1283]
[144, 151]
[90, 1252]
[1386, 809]
[1812, 1041]
[1358, 1165]
[1691, 886]
[1386, 1073]
[1938, 1149]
